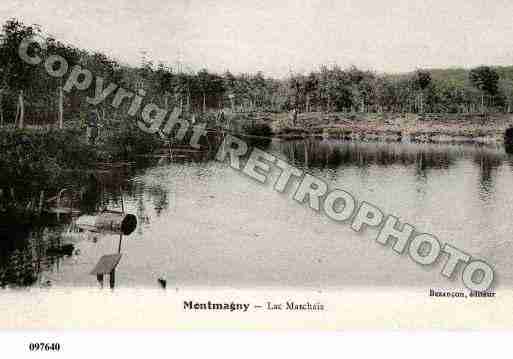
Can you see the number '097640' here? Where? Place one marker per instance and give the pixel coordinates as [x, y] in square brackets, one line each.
[44, 347]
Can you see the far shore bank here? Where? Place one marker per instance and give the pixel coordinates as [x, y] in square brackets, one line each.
[479, 127]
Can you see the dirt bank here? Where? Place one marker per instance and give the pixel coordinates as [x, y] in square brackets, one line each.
[485, 128]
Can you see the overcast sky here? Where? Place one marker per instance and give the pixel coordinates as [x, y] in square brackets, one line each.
[277, 36]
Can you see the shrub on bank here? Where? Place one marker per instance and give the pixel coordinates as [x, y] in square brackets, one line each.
[35, 159]
[66, 147]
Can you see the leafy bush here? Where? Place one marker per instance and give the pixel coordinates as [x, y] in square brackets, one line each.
[35, 159]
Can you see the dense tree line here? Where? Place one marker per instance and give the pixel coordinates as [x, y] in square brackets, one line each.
[29, 94]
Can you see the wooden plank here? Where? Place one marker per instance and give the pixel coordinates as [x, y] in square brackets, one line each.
[106, 264]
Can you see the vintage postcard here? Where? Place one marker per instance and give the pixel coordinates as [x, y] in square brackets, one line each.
[320, 165]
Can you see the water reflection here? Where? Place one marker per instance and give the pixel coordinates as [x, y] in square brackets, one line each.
[329, 154]
[488, 162]
[25, 254]
[423, 174]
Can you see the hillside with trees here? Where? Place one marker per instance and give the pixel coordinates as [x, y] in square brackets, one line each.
[28, 95]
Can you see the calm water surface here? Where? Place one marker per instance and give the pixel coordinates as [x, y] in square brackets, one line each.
[204, 224]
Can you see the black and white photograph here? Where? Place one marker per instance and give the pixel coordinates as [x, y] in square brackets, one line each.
[262, 165]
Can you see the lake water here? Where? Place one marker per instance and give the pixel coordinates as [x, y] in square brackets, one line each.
[204, 224]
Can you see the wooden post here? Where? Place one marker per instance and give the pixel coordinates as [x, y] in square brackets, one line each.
[112, 279]
[306, 153]
[16, 117]
[61, 108]
[41, 199]
[122, 202]
[99, 278]
[232, 101]
[22, 110]
[120, 240]
[58, 203]
[1, 109]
